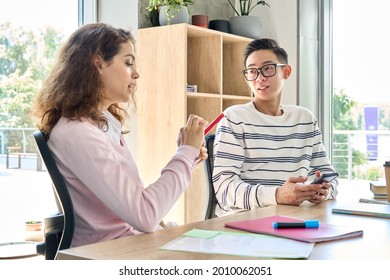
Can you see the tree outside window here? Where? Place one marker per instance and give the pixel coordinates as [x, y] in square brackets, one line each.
[25, 59]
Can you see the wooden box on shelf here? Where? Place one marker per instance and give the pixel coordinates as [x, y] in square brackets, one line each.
[168, 59]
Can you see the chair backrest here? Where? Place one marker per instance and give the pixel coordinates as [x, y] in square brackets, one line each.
[62, 238]
[211, 200]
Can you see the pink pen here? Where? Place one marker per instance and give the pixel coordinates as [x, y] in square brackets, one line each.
[213, 123]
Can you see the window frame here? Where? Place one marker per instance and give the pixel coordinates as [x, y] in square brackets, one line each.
[87, 11]
[315, 81]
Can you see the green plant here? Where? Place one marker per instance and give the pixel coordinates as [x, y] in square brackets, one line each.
[32, 222]
[373, 173]
[173, 6]
[246, 6]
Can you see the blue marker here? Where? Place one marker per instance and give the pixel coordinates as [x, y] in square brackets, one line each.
[304, 224]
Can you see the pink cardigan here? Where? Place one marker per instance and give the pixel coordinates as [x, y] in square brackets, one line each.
[109, 198]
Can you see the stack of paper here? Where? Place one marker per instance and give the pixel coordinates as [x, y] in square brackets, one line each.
[239, 244]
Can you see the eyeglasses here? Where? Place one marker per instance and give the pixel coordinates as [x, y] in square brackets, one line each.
[266, 71]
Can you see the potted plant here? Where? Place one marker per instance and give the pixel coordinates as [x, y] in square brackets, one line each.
[243, 24]
[170, 11]
[246, 6]
[33, 225]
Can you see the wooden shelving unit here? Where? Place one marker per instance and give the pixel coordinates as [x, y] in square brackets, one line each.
[169, 58]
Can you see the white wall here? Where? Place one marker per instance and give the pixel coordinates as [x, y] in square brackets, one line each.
[122, 14]
[280, 22]
[119, 13]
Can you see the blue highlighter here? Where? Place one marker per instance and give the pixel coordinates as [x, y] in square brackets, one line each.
[304, 224]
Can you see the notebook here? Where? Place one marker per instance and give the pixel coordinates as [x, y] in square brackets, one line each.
[324, 232]
[364, 209]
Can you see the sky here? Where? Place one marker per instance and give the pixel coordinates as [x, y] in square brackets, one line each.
[361, 45]
[37, 13]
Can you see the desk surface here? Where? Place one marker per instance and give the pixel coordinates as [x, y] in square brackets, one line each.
[374, 244]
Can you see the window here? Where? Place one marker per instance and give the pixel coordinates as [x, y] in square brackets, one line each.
[30, 34]
[361, 101]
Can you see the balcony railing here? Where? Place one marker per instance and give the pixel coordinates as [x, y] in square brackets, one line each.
[360, 153]
[18, 149]
[17, 137]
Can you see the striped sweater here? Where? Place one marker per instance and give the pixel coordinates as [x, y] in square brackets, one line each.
[255, 153]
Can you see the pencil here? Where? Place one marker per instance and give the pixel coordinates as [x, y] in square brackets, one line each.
[213, 123]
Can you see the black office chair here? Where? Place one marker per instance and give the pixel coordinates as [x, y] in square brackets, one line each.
[59, 228]
[211, 200]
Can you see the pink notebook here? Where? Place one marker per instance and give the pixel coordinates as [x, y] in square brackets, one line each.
[324, 232]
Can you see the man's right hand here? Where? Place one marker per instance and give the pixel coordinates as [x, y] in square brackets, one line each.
[294, 192]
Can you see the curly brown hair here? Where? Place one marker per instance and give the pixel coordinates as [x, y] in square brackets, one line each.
[74, 89]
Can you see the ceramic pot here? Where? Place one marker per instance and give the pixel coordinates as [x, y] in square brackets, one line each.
[246, 26]
[220, 25]
[200, 20]
[37, 226]
[181, 17]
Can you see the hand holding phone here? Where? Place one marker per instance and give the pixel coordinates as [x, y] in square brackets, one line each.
[327, 177]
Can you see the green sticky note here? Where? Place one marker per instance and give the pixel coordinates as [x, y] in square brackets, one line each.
[201, 233]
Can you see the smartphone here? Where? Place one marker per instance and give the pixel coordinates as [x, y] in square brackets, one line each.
[327, 177]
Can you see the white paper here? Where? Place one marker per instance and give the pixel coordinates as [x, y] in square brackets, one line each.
[251, 245]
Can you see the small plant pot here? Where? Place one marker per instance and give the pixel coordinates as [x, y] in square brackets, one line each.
[33, 226]
[220, 25]
[200, 20]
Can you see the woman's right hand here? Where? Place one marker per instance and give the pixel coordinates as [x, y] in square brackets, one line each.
[193, 132]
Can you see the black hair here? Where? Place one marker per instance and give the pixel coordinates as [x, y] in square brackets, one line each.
[266, 44]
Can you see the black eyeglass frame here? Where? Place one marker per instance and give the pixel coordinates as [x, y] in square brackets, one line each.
[260, 71]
